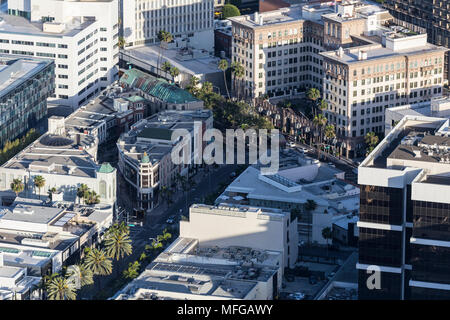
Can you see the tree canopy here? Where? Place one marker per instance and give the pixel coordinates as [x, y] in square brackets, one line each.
[229, 11]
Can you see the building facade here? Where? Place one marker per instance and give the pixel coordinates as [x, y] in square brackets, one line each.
[145, 153]
[189, 21]
[80, 36]
[405, 212]
[431, 15]
[25, 85]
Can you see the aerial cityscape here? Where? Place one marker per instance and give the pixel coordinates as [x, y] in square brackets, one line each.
[224, 150]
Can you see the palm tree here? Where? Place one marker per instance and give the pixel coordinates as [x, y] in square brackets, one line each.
[117, 244]
[98, 262]
[327, 234]
[313, 94]
[91, 197]
[82, 191]
[163, 37]
[50, 193]
[330, 132]
[39, 182]
[323, 105]
[121, 42]
[223, 65]
[310, 206]
[83, 274]
[192, 87]
[319, 121]
[238, 71]
[371, 140]
[17, 186]
[174, 72]
[166, 66]
[61, 289]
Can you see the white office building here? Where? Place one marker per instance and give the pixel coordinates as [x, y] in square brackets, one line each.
[81, 36]
[65, 159]
[189, 21]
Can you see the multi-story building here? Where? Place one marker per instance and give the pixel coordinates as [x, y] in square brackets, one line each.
[15, 283]
[43, 237]
[264, 229]
[437, 108]
[190, 270]
[431, 15]
[189, 21]
[279, 51]
[299, 182]
[161, 94]
[396, 66]
[109, 114]
[145, 153]
[405, 212]
[65, 159]
[25, 85]
[376, 62]
[80, 36]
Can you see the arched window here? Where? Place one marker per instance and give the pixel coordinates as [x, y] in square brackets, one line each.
[102, 189]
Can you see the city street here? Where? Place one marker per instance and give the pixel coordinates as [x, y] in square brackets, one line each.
[155, 223]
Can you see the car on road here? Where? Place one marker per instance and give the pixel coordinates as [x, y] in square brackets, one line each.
[170, 220]
[296, 296]
[233, 174]
[301, 243]
[331, 164]
[331, 275]
[291, 144]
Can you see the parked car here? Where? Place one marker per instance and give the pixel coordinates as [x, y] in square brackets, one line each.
[296, 296]
[291, 144]
[233, 174]
[170, 220]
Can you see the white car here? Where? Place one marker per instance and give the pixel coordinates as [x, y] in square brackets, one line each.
[297, 296]
[291, 144]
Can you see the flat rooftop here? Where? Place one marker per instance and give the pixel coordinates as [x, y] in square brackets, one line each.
[209, 271]
[197, 66]
[30, 213]
[16, 70]
[57, 154]
[377, 52]
[280, 16]
[19, 25]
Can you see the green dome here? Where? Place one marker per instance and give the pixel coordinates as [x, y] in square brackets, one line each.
[106, 168]
[145, 158]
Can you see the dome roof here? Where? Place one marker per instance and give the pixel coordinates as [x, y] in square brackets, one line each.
[55, 141]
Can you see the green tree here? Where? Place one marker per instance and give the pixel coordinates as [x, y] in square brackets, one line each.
[296, 213]
[132, 271]
[174, 72]
[164, 37]
[192, 87]
[98, 262]
[80, 271]
[238, 72]
[17, 186]
[323, 105]
[39, 182]
[313, 94]
[82, 191]
[91, 197]
[207, 87]
[371, 140]
[50, 193]
[121, 42]
[327, 234]
[223, 65]
[229, 11]
[166, 66]
[59, 288]
[117, 244]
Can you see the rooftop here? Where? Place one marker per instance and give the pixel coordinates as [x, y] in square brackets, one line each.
[186, 271]
[57, 154]
[190, 64]
[14, 71]
[19, 25]
[156, 87]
